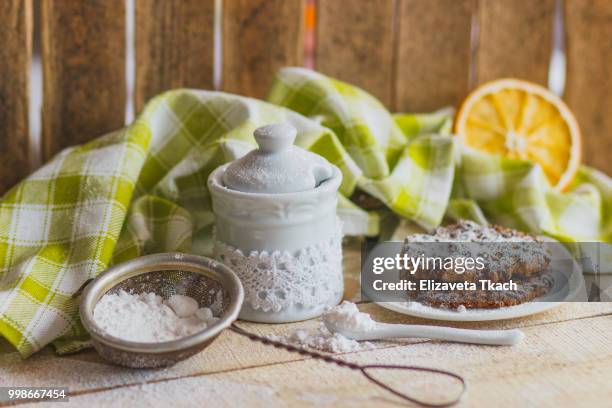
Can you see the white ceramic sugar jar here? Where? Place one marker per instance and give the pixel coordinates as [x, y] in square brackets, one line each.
[276, 227]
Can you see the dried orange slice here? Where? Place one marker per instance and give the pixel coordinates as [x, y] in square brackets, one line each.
[523, 120]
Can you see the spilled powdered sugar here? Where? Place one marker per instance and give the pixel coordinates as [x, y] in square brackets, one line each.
[323, 340]
[148, 318]
[346, 315]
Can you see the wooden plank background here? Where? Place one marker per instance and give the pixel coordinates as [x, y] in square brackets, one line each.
[414, 55]
[433, 54]
[259, 37]
[515, 39]
[588, 89]
[174, 46]
[15, 52]
[355, 44]
[83, 55]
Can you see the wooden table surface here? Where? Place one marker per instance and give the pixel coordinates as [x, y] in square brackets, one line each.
[565, 360]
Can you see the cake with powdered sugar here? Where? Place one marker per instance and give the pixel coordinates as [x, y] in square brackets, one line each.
[507, 256]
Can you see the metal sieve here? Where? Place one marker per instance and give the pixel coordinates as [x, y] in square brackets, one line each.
[209, 282]
[213, 285]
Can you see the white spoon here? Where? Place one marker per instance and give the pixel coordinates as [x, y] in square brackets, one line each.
[388, 331]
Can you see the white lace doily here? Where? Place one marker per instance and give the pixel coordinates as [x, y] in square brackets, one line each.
[274, 281]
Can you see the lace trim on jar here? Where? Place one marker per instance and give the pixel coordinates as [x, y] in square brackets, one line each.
[274, 281]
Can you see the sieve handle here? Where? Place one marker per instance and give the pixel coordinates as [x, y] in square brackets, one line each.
[81, 288]
[363, 368]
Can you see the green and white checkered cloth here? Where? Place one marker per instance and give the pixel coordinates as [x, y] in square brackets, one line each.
[143, 190]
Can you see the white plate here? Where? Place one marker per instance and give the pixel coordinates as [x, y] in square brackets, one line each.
[570, 288]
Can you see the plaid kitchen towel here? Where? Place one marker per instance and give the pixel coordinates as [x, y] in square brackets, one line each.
[143, 190]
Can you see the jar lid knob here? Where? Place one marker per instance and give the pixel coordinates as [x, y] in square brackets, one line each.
[278, 166]
[275, 137]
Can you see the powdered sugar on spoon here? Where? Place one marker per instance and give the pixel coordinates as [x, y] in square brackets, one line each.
[346, 320]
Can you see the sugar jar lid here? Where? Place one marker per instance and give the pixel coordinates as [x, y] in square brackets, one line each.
[277, 166]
